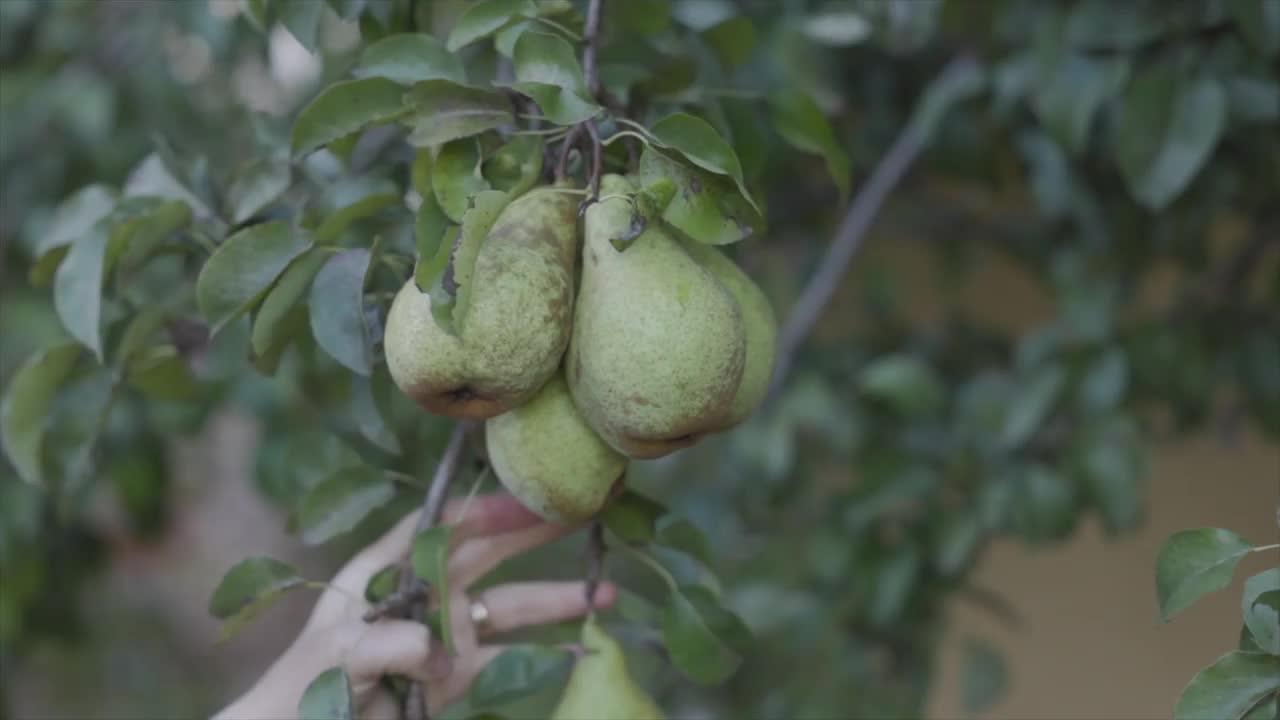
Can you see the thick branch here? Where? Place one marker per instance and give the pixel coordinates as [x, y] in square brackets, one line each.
[848, 239]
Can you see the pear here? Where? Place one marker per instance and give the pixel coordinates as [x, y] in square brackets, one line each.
[659, 344]
[518, 323]
[600, 688]
[547, 456]
[761, 328]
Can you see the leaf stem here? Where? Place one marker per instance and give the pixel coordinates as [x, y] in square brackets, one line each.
[568, 33]
[624, 134]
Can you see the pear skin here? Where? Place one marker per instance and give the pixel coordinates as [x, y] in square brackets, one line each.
[600, 687]
[518, 323]
[547, 456]
[659, 344]
[761, 328]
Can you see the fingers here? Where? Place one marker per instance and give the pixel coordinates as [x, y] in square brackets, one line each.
[481, 554]
[382, 706]
[390, 647]
[517, 605]
[486, 514]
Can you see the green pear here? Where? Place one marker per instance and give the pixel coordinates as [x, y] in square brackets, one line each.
[518, 323]
[600, 688]
[761, 328]
[659, 344]
[547, 456]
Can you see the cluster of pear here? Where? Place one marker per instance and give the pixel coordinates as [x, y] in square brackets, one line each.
[578, 367]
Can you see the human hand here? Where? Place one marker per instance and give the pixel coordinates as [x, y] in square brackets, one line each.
[494, 528]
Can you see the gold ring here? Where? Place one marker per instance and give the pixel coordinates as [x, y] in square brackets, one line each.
[479, 613]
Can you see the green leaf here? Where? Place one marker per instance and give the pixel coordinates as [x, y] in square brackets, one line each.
[249, 589]
[646, 17]
[153, 178]
[1230, 687]
[1031, 405]
[517, 166]
[547, 70]
[146, 323]
[486, 17]
[1266, 709]
[733, 40]
[1105, 381]
[243, 268]
[337, 310]
[1194, 563]
[302, 19]
[161, 372]
[256, 186]
[706, 207]
[430, 560]
[74, 218]
[560, 105]
[958, 537]
[339, 502]
[27, 407]
[77, 288]
[451, 295]
[1259, 22]
[906, 383]
[896, 577]
[410, 58]
[383, 584]
[1044, 506]
[699, 635]
[1111, 462]
[986, 677]
[800, 122]
[353, 199]
[139, 225]
[444, 111]
[434, 243]
[369, 417]
[1259, 607]
[633, 517]
[1168, 127]
[694, 138]
[328, 697]
[519, 671]
[684, 536]
[271, 326]
[344, 108]
[1076, 88]
[456, 177]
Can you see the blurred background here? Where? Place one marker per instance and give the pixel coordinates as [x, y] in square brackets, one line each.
[1059, 345]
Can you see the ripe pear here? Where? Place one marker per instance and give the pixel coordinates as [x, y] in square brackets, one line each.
[761, 328]
[600, 688]
[547, 456]
[518, 323]
[659, 344]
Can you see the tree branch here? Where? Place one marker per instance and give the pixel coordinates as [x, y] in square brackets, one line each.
[591, 42]
[595, 561]
[852, 231]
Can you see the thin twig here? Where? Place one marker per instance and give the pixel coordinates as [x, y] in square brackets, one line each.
[847, 241]
[416, 707]
[591, 41]
[595, 561]
[562, 164]
[597, 161]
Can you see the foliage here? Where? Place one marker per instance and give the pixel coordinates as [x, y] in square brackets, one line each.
[1122, 146]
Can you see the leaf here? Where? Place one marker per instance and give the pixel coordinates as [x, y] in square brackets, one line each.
[516, 167]
[958, 537]
[1044, 505]
[1031, 405]
[344, 108]
[410, 58]
[430, 560]
[328, 697]
[354, 199]
[337, 310]
[243, 268]
[560, 105]
[1230, 687]
[1076, 87]
[74, 218]
[484, 18]
[906, 383]
[633, 517]
[77, 288]
[1168, 126]
[733, 40]
[520, 670]
[249, 589]
[1259, 607]
[161, 372]
[694, 138]
[152, 178]
[451, 291]
[696, 631]
[748, 137]
[547, 70]
[271, 327]
[339, 502]
[705, 207]
[801, 123]
[256, 186]
[1259, 22]
[456, 178]
[434, 243]
[444, 111]
[1194, 563]
[1105, 380]
[369, 418]
[25, 409]
[138, 226]
[684, 536]
[382, 584]
[896, 577]
[1111, 461]
[1266, 709]
[646, 17]
[986, 677]
[302, 19]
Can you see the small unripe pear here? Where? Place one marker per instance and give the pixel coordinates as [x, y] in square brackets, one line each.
[516, 328]
[600, 687]
[547, 456]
